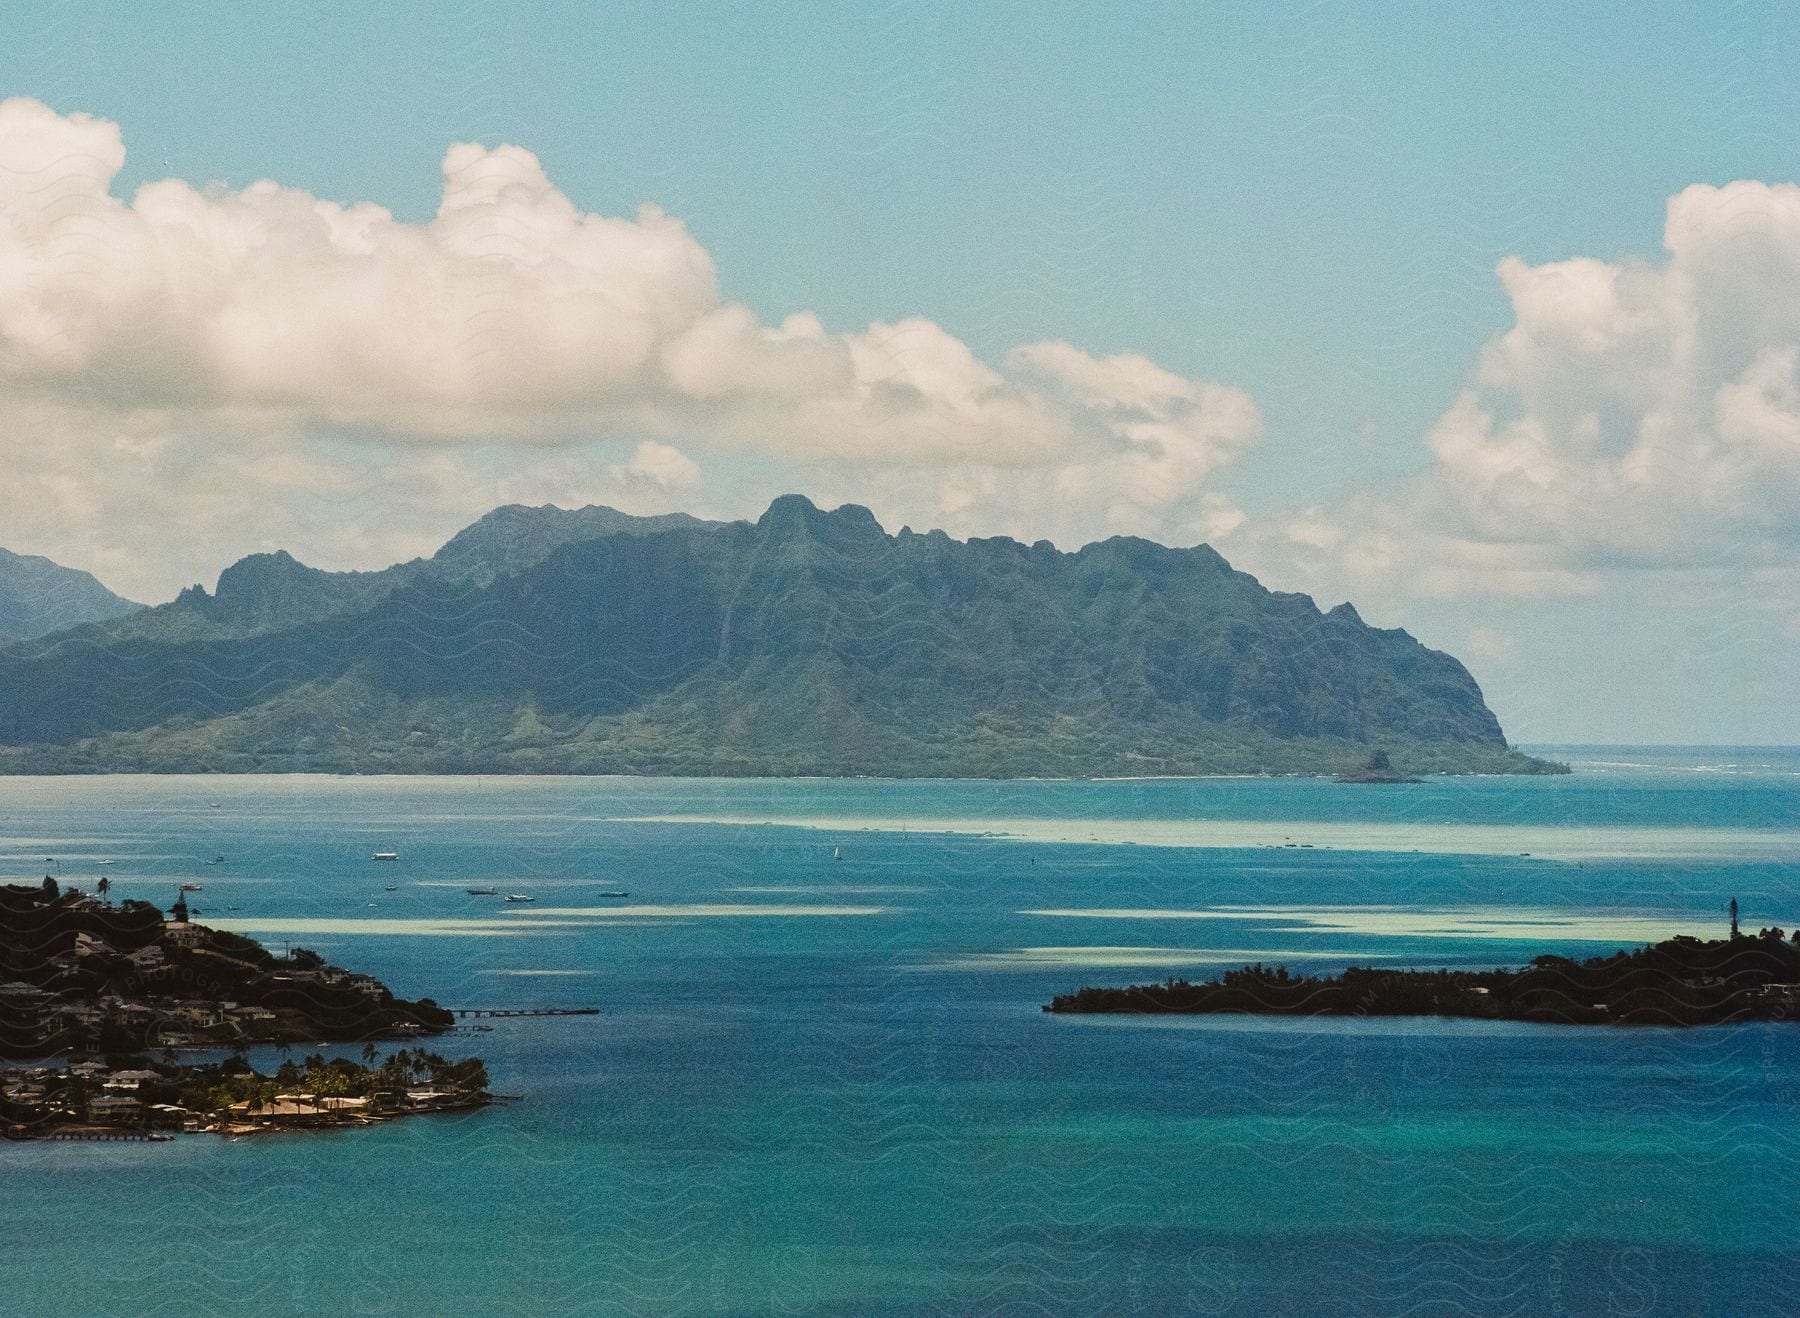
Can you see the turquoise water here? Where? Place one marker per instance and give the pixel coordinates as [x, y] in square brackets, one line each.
[824, 1086]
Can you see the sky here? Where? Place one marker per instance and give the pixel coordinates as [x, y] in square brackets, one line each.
[1487, 322]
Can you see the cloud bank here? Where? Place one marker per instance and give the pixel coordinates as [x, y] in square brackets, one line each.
[193, 373]
[273, 344]
[1635, 418]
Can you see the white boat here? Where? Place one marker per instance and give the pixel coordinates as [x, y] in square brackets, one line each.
[192, 887]
[837, 853]
[385, 855]
[482, 892]
[519, 897]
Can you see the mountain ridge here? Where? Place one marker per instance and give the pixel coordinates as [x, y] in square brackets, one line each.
[39, 596]
[809, 641]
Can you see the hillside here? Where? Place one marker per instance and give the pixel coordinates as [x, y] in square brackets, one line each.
[807, 642]
[38, 597]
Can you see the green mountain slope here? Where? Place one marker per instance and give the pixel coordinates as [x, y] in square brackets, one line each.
[809, 642]
[38, 597]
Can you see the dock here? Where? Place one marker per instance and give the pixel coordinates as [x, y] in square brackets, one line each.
[109, 1136]
[524, 1011]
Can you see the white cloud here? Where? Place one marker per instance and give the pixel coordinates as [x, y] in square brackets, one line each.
[1635, 417]
[662, 464]
[298, 344]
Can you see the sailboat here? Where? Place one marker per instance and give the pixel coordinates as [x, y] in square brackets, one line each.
[837, 853]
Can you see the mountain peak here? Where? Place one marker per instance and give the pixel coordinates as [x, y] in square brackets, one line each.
[39, 596]
[795, 512]
[257, 571]
[515, 535]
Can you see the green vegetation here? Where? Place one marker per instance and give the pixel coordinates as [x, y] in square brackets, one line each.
[84, 979]
[544, 641]
[232, 1097]
[80, 975]
[1684, 981]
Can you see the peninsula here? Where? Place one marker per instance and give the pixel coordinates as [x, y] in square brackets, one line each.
[808, 642]
[107, 997]
[1683, 981]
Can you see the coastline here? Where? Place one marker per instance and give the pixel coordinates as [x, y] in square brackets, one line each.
[108, 987]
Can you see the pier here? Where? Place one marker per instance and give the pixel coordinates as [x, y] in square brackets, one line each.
[524, 1011]
[110, 1136]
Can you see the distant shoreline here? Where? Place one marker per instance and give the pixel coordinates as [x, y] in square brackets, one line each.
[1320, 775]
[1683, 981]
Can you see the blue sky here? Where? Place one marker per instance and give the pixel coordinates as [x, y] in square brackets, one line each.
[1305, 203]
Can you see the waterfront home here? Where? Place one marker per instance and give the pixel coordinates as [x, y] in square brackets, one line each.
[202, 1014]
[113, 1107]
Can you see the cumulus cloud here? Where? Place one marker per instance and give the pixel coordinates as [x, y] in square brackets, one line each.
[1636, 416]
[663, 465]
[315, 334]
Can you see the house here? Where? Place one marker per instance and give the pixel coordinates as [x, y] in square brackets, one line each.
[183, 934]
[203, 1014]
[127, 1082]
[112, 1107]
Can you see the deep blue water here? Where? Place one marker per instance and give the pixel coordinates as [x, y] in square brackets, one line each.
[824, 1085]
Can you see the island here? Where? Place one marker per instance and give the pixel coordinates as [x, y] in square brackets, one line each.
[1683, 981]
[99, 1001]
[1378, 768]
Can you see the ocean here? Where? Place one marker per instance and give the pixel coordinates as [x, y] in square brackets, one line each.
[821, 1082]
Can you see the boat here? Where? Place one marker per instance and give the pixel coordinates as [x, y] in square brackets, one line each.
[837, 853]
[217, 860]
[612, 892]
[192, 887]
[392, 887]
[519, 897]
[385, 855]
[482, 892]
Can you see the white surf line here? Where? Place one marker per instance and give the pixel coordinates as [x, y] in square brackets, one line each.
[401, 928]
[1104, 958]
[1507, 924]
[721, 910]
[1296, 836]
